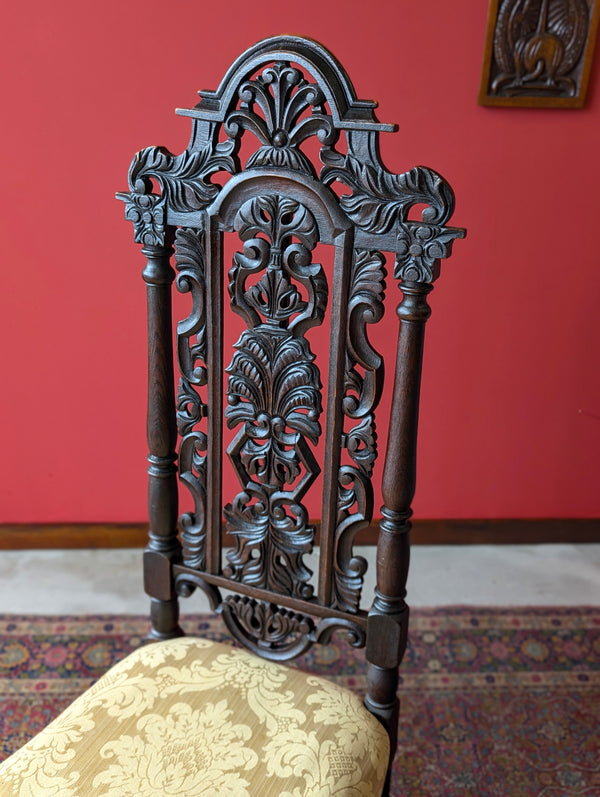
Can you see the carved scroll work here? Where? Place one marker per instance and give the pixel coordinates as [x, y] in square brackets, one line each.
[279, 95]
[274, 394]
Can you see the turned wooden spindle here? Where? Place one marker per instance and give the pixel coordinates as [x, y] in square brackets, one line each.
[163, 545]
[388, 618]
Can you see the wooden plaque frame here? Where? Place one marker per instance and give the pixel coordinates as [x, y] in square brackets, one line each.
[538, 53]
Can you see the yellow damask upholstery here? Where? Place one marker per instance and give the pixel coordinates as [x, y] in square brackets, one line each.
[192, 717]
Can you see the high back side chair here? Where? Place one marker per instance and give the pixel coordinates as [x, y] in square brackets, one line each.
[189, 716]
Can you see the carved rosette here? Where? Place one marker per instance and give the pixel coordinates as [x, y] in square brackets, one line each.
[191, 409]
[419, 249]
[147, 212]
[274, 394]
[362, 390]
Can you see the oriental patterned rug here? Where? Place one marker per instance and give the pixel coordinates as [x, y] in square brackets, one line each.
[502, 702]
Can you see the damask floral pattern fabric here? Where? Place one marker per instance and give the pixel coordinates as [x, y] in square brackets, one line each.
[192, 717]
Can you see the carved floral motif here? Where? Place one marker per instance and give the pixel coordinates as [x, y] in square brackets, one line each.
[419, 248]
[148, 216]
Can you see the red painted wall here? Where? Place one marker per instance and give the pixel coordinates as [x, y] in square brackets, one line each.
[511, 392]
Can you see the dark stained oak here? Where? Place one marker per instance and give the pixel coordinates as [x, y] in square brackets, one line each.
[260, 404]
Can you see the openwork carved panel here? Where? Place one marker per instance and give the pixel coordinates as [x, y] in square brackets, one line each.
[363, 382]
[191, 409]
[250, 169]
[274, 393]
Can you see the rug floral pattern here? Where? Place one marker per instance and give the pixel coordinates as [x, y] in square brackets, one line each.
[499, 702]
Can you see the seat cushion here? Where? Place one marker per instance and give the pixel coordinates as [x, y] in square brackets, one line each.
[192, 717]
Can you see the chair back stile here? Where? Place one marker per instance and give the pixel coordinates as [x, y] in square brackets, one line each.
[257, 132]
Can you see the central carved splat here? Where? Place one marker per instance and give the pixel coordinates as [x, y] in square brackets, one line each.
[274, 393]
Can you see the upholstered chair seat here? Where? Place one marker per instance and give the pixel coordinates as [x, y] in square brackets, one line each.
[192, 717]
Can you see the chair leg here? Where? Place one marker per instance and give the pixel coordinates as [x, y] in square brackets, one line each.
[165, 619]
[164, 603]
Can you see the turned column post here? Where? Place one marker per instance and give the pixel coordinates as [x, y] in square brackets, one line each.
[163, 543]
[419, 249]
[147, 212]
[388, 619]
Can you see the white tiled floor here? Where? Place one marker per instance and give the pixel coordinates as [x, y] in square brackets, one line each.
[110, 581]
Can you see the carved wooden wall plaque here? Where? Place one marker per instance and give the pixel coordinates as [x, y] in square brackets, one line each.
[538, 53]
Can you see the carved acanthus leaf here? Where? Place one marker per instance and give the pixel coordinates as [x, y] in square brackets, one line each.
[189, 261]
[184, 179]
[355, 509]
[278, 217]
[361, 443]
[274, 383]
[363, 383]
[268, 225]
[272, 535]
[380, 199]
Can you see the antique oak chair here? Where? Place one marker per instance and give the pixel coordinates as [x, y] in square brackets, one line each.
[189, 716]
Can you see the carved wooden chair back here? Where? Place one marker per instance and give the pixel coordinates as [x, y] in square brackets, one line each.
[248, 170]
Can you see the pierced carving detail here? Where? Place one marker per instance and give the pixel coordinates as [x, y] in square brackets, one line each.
[283, 95]
[274, 394]
[275, 633]
[275, 297]
[191, 352]
[362, 391]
